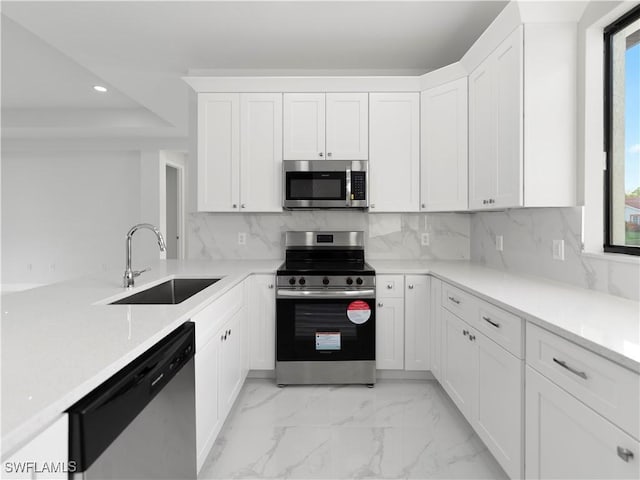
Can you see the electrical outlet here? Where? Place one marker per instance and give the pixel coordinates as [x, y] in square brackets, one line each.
[425, 239]
[52, 267]
[499, 243]
[558, 250]
[29, 267]
[242, 238]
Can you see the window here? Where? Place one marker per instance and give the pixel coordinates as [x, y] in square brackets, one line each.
[622, 134]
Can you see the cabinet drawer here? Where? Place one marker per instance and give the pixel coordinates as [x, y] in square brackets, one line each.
[501, 326]
[459, 302]
[611, 390]
[390, 286]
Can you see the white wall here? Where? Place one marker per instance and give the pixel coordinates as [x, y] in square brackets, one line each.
[66, 214]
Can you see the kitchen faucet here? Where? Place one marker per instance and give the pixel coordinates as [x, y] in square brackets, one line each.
[129, 274]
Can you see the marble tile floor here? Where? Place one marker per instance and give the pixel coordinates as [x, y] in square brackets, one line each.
[399, 429]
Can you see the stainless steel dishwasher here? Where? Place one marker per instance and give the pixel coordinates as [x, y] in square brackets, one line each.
[140, 424]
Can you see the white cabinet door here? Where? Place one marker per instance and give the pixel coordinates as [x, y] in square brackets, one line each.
[500, 413]
[208, 416]
[230, 366]
[46, 457]
[417, 322]
[347, 126]
[261, 152]
[459, 364]
[496, 128]
[262, 322]
[394, 152]
[304, 126]
[436, 328]
[218, 152]
[390, 334]
[508, 89]
[568, 440]
[482, 135]
[443, 150]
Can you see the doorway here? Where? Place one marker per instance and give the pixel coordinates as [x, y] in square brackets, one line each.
[172, 178]
[172, 208]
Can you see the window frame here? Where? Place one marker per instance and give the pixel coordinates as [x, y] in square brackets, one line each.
[619, 24]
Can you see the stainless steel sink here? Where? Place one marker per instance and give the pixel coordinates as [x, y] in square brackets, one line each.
[171, 292]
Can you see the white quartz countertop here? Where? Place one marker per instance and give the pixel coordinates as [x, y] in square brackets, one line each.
[605, 324]
[61, 341]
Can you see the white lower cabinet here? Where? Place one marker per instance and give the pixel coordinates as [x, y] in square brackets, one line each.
[459, 363]
[435, 321]
[44, 457]
[261, 324]
[220, 365]
[568, 440]
[390, 334]
[485, 381]
[416, 322]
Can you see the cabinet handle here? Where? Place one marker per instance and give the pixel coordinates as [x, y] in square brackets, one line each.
[472, 338]
[389, 286]
[487, 319]
[229, 332]
[625, 454]
[454, 300]
[320, 154]
[424, 205]
[465, 332]
[270, 285]
[328, 154]
[563, 364]
[410, 287]
[484, 202]
[235, 205]
[243, 206]
[380, 304]
[373, 205]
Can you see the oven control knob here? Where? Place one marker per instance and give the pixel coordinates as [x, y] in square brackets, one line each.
[325, 281]
[302, 281]
[349, 281]
[292, 281]
[359, 281]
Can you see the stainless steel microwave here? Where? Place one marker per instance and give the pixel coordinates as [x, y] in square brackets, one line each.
[324, 184]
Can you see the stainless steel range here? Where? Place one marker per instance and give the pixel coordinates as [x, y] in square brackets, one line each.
[325, 310]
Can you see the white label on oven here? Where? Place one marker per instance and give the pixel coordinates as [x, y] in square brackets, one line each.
[327, 340]
[358, 312]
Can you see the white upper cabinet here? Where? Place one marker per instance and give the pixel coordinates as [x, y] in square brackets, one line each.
[513, 162]
[304, 131]
[261, 152]
[394, 152]
[240, 152]
[218, 152]
[347, 126]
[332, 126]
[444, 147]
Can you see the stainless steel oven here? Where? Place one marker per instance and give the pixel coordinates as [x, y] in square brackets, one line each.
[324, 184]
[325, 311]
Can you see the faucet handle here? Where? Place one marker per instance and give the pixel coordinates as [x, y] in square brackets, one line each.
[136, 273]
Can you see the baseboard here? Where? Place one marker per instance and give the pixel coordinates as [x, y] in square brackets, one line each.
[380, 374]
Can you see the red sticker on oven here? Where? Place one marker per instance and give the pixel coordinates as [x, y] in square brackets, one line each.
[358, 312]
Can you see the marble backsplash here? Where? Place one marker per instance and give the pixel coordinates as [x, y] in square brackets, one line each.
[387, 236]
[528, 248]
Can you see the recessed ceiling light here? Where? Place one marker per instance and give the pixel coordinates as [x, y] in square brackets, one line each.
[99, 88]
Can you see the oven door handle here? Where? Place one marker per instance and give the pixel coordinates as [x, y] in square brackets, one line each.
[326, 294]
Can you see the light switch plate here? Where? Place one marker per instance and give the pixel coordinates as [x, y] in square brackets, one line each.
[424, 239]
[242, 238]
[499, 243]
[558, 250]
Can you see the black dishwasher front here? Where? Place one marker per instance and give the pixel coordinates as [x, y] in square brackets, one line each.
[140, 424]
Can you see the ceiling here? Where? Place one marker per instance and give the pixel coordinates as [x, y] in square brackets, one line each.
[54, 52]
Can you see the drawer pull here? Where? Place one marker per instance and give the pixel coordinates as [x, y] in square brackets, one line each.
[410, 287]
[454, 300]
[625, 454]
[465, 332]
[563, 364]
[487, 319]
[380, 304]
[389, 286]
[472, 338]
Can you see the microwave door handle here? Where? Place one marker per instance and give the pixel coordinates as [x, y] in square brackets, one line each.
[348, 187]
